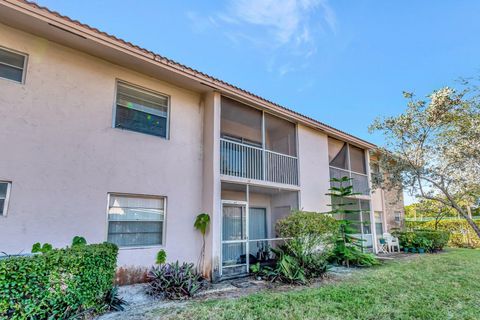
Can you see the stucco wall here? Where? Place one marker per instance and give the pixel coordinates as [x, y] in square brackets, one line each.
[62, 155]
[314, 170]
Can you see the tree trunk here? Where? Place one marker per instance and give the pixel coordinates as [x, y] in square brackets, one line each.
[454, 204]
[467, 217]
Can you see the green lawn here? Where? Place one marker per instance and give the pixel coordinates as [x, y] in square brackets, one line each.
[438, 286]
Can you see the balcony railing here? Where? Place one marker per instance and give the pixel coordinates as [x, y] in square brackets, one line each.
[359, 181]
[244, 161]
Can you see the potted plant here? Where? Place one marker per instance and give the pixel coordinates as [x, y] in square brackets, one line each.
[424, 245]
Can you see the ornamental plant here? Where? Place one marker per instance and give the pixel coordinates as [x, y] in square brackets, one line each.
[310, 238]
[348, 248]
[174, 281]
[201, 224]
[161, 257]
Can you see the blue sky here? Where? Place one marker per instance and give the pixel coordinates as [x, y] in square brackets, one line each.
[342, 62]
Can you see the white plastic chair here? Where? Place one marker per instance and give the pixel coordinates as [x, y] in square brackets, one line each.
[392, 242]
[382, 246]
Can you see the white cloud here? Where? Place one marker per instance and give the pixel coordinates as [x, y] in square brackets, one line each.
[283, 30]
[289, 22]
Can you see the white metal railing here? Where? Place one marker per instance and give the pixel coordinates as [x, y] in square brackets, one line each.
[359, 181]
[281, 168]
[244, 161]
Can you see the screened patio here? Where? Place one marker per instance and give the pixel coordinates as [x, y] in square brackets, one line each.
[249, 216]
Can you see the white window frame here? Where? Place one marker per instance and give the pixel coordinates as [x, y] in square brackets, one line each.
[7, 198]
[164, 225]
[397, 214]
[24, 68]
[137, 87]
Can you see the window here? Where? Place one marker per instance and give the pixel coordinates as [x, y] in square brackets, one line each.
[12, 65]
[135, 221]
[141, 111]
[378, 222]
[365, 209]
[397, 215]
[4, 196]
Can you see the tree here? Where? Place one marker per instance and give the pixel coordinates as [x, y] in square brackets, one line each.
[433, 148]
[348, 248]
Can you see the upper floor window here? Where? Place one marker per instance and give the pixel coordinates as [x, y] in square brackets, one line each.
[142, 110]
[4, 196]
[345, 156]
[135, 221]
[12, 65]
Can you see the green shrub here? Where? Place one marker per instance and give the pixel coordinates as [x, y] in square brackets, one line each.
[78, 241]
[288, 269]
[39, 248]
[57, 284]
[161, 257]
[432, 240]
[174, 281]
[310, 238]
[461, 233]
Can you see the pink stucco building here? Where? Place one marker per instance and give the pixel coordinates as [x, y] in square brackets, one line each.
[103, 139]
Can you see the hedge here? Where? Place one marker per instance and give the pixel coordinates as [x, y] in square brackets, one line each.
[58, 284]
[437, 239]
[461, 233]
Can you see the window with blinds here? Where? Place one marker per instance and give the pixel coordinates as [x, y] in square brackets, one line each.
[141, 110]
[12, 65]
[4, 195]
[135, 221]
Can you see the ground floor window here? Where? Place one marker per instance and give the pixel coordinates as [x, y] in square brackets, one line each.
[4, 195]
[378, 223]
[135, 221]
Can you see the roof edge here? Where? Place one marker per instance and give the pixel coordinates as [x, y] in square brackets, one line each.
[55, 18]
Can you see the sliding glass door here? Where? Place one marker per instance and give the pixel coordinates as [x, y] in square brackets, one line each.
[242, 233]
[234, 238]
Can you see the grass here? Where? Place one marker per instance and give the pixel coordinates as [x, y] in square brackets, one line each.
[438, 286]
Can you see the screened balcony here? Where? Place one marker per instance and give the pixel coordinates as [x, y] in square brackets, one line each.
[257, 145]
[348, 161]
